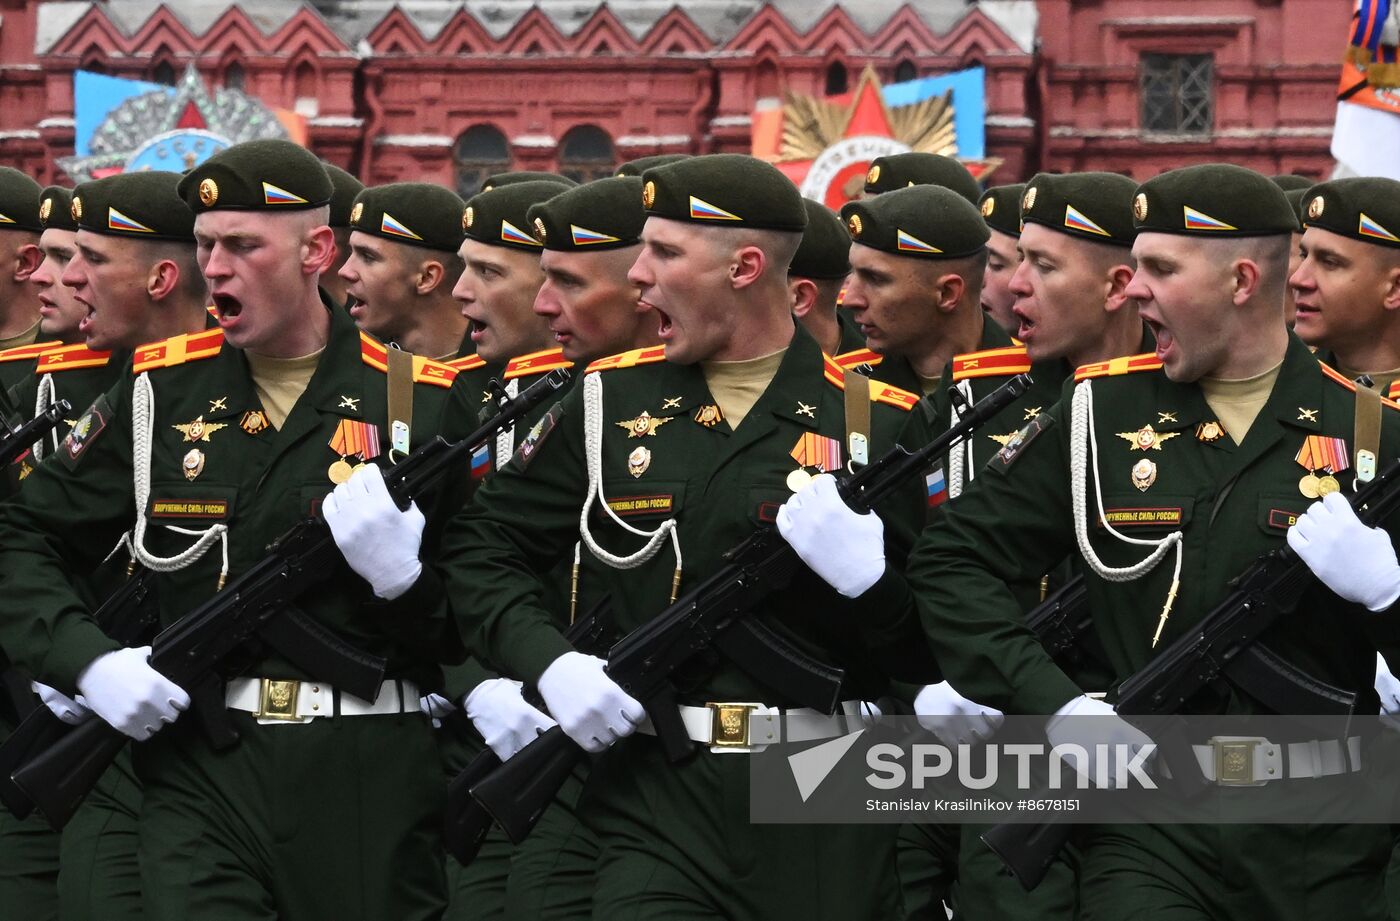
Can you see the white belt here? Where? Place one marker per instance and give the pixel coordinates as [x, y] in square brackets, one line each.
[274, 700]
[1251, 761]
[738, 727]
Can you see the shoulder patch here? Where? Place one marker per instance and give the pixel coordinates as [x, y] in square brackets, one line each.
[70, 357]
[1340, 379]
[468, 362]
[1003, 362]
[33, 350]
[177, 350]
[1014, 448]
[879, 392]
[536, 363]
[628, 359]
[1127, 364]
[858, 357]
[84, 432]
[425, 371]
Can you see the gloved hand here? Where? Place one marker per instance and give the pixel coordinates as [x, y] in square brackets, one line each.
[846, 549]
[593, 710]
[952, 718]
[61, 705]
[1388, 689]
[1353, 560]
[379, 541]
[1070, 726]
[123, 689]
[503, 717]
[435, 707]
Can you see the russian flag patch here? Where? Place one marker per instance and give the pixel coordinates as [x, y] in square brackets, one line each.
[392, 225]
[1368, 227]
[1075, 220]
[909, 243]
[937, 488]
[481, 461]
[276, 195]
[1198, 220]
[118, 221]
[582, 236]
[512, 234]
[704, 211]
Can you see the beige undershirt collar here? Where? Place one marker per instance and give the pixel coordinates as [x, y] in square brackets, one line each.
[737, 385]
[280, 382]
[1237, 403]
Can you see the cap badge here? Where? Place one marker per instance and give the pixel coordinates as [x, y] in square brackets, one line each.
[45, 209]
[648, 195]
[988, 206]
[873, 176]
[1028, 202]
[357, 212]
[76, 208]
[208, 192]
[1140, 207]
[854, 225]
[1315, 208]
[468, 218]
[540, 232]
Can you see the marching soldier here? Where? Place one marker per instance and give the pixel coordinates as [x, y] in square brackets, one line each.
[20, 228]
[403, 265]
[346, 188]
[687, 447]
[241, 431]
[1001, 209]
[815, 280]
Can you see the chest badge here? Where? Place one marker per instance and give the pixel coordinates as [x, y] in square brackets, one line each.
[709, 415]
[1328, 455]
[1031, 411]
[193, 463]
[1210, 432]
[638, 461]
[355, 439]
[1144, 474]
[254, 421]
[1307, 415]
[198, 430]
[1147, 439]
[804, 410]
[671, 403]
[219, 405]
[642, 425]
[350, 403]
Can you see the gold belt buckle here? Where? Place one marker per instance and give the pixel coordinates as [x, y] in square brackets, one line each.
[277, 699]
[1234, 762]
[729, 724]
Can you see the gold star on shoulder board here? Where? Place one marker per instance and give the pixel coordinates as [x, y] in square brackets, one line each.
[1165, 417]
[1307, 415]
[804, 410]
[198, 430]
[1031, 411]
[643, 425]
[671, 403]
[1146, 439]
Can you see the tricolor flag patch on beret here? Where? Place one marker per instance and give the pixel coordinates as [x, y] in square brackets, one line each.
[392, 225]
[512, 234]
[118, 221]
[908, 243]
[275, 195]
[1075, 220]
[582, 236]
[6, 219]
[703, 210]
[1197, 220]
[1368, 227]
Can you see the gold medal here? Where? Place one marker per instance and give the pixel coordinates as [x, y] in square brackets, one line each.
[1144, 474]
[638, 461]
[193, 463]
[1310, 486]
[340, 471]
[1327, 485]
[798, 480]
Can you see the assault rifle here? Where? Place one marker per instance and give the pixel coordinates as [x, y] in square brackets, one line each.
[1223, 647]
[20, 438]
[190, 650]
[715, 613]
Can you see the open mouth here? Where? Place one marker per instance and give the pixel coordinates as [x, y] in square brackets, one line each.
[1027, 326]
[228, 307]
[664, 326]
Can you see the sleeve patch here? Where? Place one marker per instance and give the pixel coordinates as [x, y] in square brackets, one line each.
[84, 433]
[1014, 448]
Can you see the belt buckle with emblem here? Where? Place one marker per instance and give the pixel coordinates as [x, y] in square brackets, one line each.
[1234, 762]
[277, 699]
[729, 725]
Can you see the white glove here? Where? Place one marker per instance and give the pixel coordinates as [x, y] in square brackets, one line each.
[1353, 560]
[435, 707]
[952, 718]
[125, 691]
[61, 705]
[1388, 689]
[505, 720]
[593, 710]
[846, 549]
[1070, 726]
[379, 541]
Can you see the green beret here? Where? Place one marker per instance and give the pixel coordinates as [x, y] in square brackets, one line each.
[346, 187]
[416, 213]
[642, 164]
[1290, 182]
[500, 217]
[724, 190]
[1364, 208]
[1091, 206]
[927, 221]
[1001, 208]
[1212, 200]
[56, 208]
[825, 252]
[603, 214]
[267, 175]
[899, 171]
[501, 180]
[142, 206]
[19, 201]
[1295, 201]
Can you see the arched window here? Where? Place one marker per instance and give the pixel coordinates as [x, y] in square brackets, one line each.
[586, 153]
[234, 77]
[163, 73]
[480, 151]
[836, 80]
[905, 71]
[767, 82]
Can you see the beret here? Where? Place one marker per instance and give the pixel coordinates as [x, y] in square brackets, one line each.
[422, 214]
[265, 175]
[603, 214]
[1364, 208]
[732, 190]
[1212, 200]
[923, 221]
[142, 206]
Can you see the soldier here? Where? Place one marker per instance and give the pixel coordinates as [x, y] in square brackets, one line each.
[342, 201]
[245, 423]
[816, 277]
[1348, 283]
[19, 251]
[1001, 209]
[403, 265]
[701, 433]
[899, 171]
[1228, 396]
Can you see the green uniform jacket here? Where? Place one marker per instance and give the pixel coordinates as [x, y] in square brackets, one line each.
[74, 508]
[1232, 502]
[851, 339]
[717, 483]
[18, 363]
